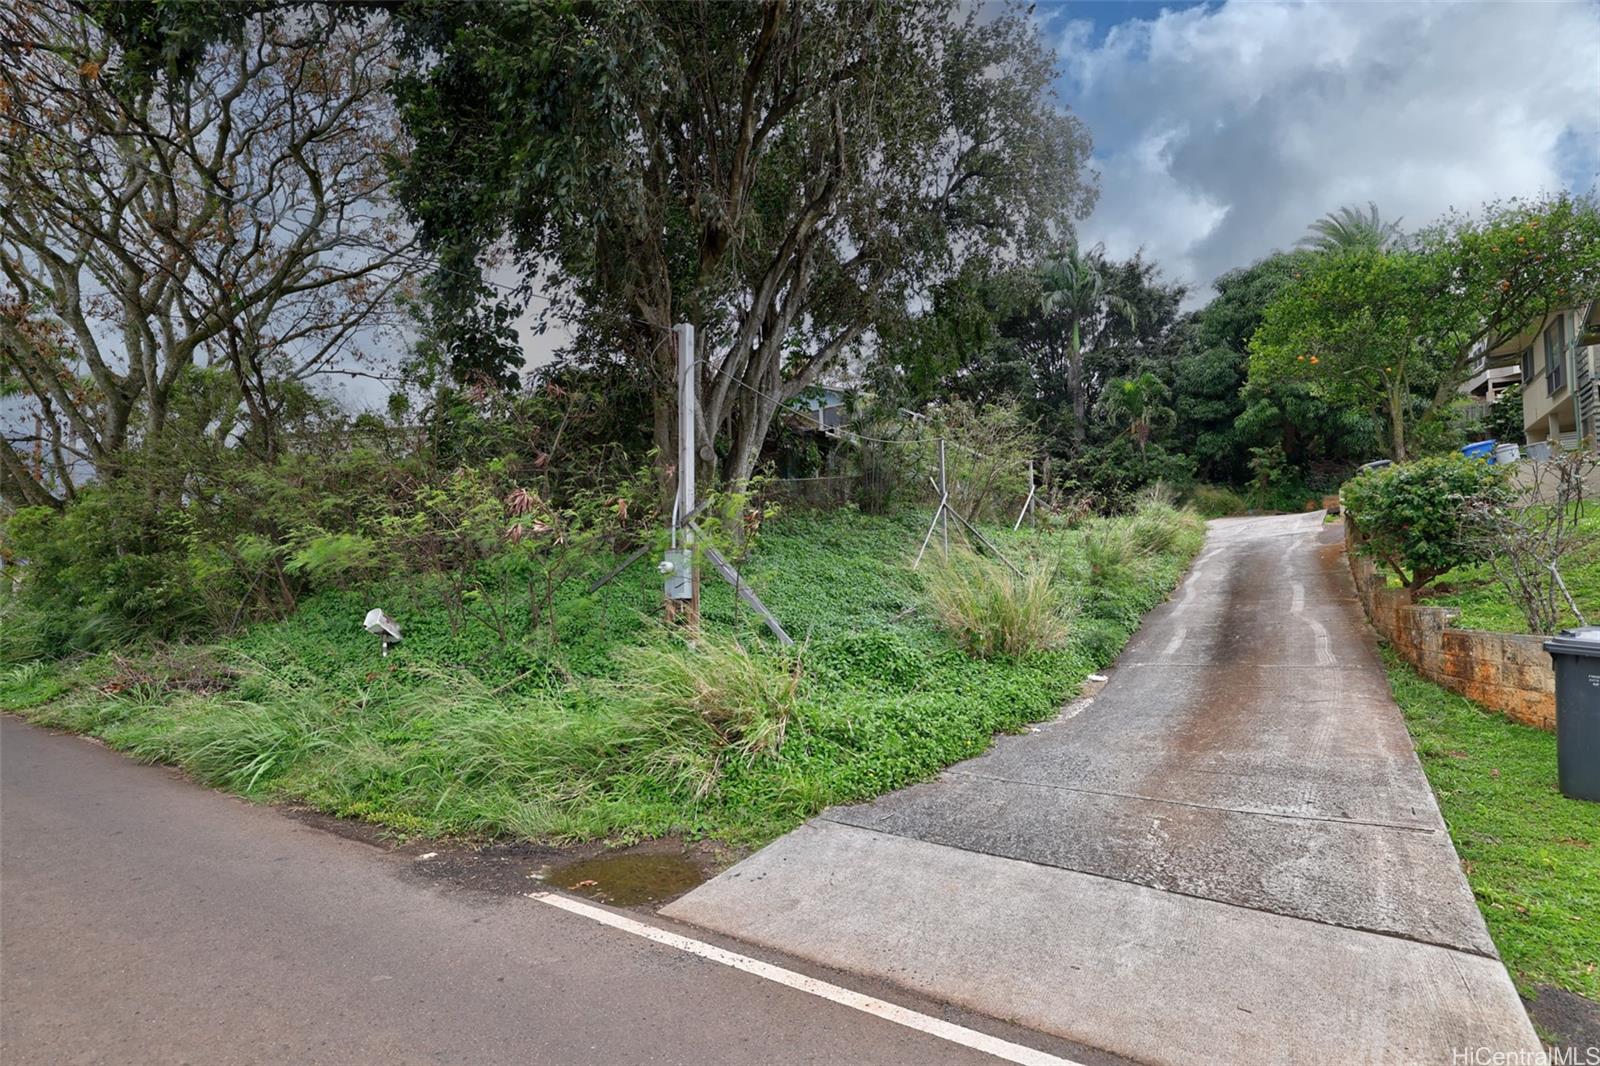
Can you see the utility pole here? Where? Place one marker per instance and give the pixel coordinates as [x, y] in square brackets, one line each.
[683, 573]
[681, 567]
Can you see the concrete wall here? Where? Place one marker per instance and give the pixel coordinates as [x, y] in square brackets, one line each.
[1508, 672]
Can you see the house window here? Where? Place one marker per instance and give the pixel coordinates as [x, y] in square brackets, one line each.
[1527, 365]
[1555, 355]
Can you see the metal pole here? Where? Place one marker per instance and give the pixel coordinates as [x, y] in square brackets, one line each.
[944, 495]
[1025, 503]
[685, 336]
[684, 333]
[938, 514]
[985, 541]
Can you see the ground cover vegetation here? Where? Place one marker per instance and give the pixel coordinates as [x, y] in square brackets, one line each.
[620, 728]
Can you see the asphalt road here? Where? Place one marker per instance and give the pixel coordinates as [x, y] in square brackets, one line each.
[145, 919]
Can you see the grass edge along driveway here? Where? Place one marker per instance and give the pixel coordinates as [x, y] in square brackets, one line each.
[1531, 855]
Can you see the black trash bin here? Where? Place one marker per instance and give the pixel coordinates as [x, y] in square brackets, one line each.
[1576, 655]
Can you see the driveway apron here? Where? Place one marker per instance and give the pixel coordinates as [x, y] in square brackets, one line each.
[1230, 853]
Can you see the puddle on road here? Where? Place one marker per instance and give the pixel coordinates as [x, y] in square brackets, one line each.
[627, 880]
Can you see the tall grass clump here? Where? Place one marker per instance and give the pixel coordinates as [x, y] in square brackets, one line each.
[1216, 501]
[990, 611]
[707, 703]
[1159, 528]
[238, 744]
[1109, 553]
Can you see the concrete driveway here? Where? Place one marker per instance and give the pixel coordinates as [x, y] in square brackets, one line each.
[1229, 854]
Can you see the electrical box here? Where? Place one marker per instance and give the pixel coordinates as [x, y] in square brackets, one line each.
[677, 568]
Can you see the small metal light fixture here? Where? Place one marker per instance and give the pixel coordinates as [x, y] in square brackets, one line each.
[383, 627]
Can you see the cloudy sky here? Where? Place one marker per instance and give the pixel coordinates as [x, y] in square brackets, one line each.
[1222, 129]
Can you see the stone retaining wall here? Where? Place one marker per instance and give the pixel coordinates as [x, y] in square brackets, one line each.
[1509, 672]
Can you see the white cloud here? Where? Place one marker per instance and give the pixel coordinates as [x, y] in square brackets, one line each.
[1223, 131]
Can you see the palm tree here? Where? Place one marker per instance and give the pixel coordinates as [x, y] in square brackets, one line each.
[1349, 229]
[1140, 403]
[1072, 290]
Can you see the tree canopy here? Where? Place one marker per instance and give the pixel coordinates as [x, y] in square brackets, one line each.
[1394, 332]
[783, 176]
[229, 220]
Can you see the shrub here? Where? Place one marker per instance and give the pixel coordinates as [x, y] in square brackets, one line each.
[990, 611]
[1416, 518]
[1116, 471]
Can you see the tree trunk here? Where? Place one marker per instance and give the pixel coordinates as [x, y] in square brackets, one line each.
[1080, 411]
[1397, 425]
[664, 428]
[1080, 402]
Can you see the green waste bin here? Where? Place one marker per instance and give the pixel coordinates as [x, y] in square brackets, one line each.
[1576, 655]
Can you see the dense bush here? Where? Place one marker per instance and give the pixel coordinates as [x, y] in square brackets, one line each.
[183, 546]
[1415, 518]
[168, 551]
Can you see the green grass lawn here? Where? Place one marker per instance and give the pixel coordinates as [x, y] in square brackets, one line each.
[1531, 855]
[1484, 603]
[613, 730]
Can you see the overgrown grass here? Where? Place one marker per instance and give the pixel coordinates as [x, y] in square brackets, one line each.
[1484, 603]
[618, 730]
[990, 611]
[1531, 855]
[1216, 501]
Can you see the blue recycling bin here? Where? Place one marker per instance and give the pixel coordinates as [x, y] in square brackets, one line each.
[1483, 449]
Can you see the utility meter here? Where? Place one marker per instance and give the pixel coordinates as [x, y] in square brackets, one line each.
[676, 568]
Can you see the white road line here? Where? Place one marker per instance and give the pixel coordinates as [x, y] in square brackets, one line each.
[1189, 582]
[890, 1012]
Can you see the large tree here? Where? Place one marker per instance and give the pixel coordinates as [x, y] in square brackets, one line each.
[782, 175]
[993, 336]
[1073, 293]
[1394, 332]
[230, 216]
[1222, 418]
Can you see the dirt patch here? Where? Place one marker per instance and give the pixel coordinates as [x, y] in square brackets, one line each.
[197, 674]
[1567, 1021]
[645, 875]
